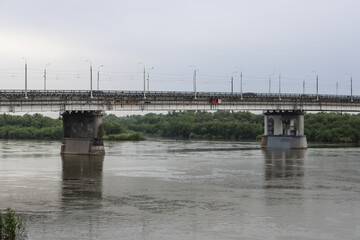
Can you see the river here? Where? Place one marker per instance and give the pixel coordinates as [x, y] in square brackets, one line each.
[182, 190]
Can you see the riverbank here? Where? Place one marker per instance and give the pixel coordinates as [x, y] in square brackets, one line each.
[220, 125]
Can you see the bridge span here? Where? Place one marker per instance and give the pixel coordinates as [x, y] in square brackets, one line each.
[61, 101]
[82, 111]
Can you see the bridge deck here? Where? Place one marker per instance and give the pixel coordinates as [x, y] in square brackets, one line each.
[60, 101]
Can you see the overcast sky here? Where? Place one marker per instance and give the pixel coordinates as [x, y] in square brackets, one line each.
[260, 38]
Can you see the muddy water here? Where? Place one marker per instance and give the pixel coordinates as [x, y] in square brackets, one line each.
[182, 190]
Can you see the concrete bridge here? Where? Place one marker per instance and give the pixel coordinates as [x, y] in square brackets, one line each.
[82, 111]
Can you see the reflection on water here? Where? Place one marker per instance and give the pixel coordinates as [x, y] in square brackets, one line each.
[284, 164]
[82, 180]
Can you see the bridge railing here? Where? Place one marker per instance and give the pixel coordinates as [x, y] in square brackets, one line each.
[183, 93]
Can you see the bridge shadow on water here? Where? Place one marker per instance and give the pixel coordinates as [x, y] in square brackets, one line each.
[82, 177]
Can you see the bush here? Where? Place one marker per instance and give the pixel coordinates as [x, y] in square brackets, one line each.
[11, 226]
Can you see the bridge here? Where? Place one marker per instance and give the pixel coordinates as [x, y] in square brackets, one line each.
[82, 111]
[61, 101]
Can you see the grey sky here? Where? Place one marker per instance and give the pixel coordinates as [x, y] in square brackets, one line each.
[258, 37]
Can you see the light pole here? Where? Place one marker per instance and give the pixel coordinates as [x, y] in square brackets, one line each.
[232, 82]
[270, 81]
[279, 86]
[91, 93]
[148, 79]
[241, 83]
[304, 87]
[351, 88]
[194, 79]
[317, 87]
[304, 82]
[98, 76]
[45, 76]
[144, 78]
[270, 85]
[25, 78]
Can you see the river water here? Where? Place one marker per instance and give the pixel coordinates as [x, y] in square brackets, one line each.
[182, 190]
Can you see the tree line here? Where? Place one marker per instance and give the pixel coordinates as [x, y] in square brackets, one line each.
[220, 125]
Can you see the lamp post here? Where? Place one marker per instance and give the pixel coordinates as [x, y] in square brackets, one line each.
[45, 76]
[25, 78]
[241, 85]
[270, 81]
[279, 86]
[91, 93]
[317, 87]
[144, 78]
[194, 79]
[270, 85]
[232, 82]
[98, 76]
[303, 87]
[148, 79]
[351, 86]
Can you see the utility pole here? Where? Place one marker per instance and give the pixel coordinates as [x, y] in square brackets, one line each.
[91, 93]
[351, 86]
[148, 79]
[337, 88]
[45, 79]
[279, 86]
[241, 83]
[304, 87]
[144, 83]
[232, 84]
[45, 76]
[195, 83]
[98, 77]
[270, 85]
[26, 96]
[317, 87]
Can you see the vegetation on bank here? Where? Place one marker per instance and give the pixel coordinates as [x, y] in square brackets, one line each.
[220, 125]
[11, 226]
[226, 125]
[38, 126]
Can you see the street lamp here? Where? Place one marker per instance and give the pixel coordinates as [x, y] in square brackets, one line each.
[91, 93]
[144, 78]
[317, 85]
[270, 81]
[194, 78]
[98, 76]
[351, 86]
[25, 78]
[232, 82]
[279, 86]
[148, 79]
[45, 76]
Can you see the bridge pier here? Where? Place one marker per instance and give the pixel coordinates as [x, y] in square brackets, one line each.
[82, 133]
[284, 129]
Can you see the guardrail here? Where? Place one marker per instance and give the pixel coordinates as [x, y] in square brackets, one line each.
[237, 95]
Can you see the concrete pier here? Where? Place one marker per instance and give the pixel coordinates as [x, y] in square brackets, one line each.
[284, 129]
[82, 131]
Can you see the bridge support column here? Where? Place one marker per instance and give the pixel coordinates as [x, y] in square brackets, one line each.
[82, 133]
[284, 129]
